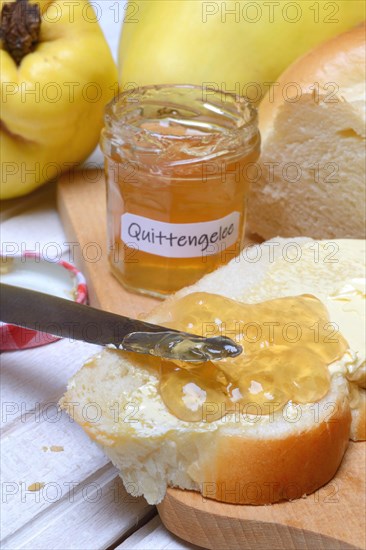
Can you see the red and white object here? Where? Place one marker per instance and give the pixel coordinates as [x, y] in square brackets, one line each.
[30, 270]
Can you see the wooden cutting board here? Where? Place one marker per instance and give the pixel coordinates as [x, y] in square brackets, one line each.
[332, 518]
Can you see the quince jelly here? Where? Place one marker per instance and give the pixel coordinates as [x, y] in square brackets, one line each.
[287, 343]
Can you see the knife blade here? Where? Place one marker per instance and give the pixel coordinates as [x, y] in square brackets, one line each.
[68, 319]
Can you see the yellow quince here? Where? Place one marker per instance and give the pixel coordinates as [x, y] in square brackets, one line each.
[57, 74]
[240, 46]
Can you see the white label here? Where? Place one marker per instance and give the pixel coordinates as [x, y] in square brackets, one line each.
[180, 240]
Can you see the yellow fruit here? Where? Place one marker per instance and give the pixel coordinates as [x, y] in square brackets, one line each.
[52, 101]
[239, 46]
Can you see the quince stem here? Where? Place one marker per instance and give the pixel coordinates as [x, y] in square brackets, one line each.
[20, 26]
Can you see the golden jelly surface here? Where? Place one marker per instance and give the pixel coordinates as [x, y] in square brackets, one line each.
[288, 344]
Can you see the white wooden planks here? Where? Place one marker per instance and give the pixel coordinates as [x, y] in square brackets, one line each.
[83, 503]
[154, 535]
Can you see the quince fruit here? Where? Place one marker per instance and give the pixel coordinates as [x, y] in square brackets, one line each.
[238, 46]
[57, 74]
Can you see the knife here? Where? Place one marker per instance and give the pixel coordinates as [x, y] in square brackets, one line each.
[67, 319]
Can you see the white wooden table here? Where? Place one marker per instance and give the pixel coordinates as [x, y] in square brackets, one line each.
[82, 504]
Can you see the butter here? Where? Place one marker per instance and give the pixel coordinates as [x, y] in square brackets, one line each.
[347, 305]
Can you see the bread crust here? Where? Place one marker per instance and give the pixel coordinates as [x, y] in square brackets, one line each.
[358, 426]
[339, 61]
[255, 471]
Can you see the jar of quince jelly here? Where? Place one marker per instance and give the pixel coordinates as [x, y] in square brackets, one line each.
[177, 159]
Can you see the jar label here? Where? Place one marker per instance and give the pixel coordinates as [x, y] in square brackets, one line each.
[180, 240]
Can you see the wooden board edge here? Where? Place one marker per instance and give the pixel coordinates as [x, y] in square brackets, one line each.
[219, 532]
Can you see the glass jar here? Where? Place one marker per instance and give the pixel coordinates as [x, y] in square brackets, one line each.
[177, 159]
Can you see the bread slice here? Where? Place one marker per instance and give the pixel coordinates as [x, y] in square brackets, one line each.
[243, 457]
[312, 167]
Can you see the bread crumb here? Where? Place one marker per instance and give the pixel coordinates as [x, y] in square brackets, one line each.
[6, 265]
[37, 486]
[53, 449]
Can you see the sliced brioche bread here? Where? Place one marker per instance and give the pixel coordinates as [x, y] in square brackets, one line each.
[312, 163]
[243, 457]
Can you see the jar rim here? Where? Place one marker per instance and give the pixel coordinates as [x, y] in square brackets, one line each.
[243, 101]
